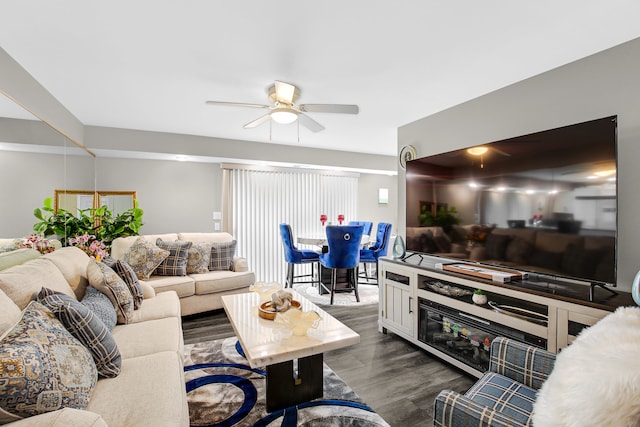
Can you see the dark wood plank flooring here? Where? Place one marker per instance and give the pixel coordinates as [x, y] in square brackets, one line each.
[397, 379]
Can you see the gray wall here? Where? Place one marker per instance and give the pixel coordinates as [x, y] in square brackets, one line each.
[26, 179]
[597, 86]
[368, 207]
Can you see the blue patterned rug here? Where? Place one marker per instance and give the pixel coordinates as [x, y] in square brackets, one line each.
[223, 390]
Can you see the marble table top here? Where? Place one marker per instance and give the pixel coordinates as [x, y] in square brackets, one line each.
[266, 342]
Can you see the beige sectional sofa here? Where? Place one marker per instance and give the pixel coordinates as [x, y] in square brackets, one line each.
[150, 388]
[198, 292]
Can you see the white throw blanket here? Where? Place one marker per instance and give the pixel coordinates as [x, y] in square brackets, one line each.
[596, 380]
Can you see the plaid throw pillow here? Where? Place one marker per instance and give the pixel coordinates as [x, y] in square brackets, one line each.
[176, 263]
[126, 273]
[87, 328]
[222, 256]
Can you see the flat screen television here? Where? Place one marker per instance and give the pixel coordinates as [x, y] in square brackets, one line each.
[543, 203]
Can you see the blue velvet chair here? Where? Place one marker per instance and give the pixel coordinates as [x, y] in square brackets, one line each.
[378, 249]
[294, 256]
[367, 226]
[344, 253]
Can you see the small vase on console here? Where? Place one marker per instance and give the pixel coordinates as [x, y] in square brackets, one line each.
[399, 248]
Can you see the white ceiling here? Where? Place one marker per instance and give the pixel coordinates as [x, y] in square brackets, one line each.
[150, 65]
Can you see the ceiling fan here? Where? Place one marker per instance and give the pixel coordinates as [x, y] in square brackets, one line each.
[284, 109]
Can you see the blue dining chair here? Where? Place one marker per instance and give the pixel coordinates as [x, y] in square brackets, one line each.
[377, 250]
[294, 256]
[343, 242]
[366, 224]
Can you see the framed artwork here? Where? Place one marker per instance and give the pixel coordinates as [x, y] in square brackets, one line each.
[427, 207]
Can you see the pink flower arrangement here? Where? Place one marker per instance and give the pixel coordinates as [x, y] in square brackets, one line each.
[93, 247]
[39, 243]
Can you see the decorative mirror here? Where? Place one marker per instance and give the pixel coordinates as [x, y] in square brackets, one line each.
[78, 200]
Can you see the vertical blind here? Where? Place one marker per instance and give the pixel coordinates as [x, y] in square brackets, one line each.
[257, 201]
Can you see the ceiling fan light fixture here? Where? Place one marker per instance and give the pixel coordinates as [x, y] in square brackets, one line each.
[284, 116]
[477, 151]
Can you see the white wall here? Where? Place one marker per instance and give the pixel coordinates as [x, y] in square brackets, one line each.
[597, 86]
[368, 207]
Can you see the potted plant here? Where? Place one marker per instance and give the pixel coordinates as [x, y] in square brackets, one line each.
[100, 223]
[445, 218]
[479, 297]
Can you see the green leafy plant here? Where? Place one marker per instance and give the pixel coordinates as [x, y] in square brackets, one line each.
[478, 292]
[443, 218]
[99, 222]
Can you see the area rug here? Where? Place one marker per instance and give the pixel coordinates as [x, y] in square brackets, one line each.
[368, 295]
[223, 390]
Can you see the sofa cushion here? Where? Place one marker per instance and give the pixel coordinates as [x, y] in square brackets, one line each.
[67, 417]
[144, 256]
[101, 306]
[220, 281]
[198, 257]
[107, 281]
[22, 282]
[426, 243]
[176, 263]
[496, 245]
[443, 242]
[518, 251]
[184, 286]
[159, 400]
[72, 263]
[548, 260]
[121, 245]
[17, 257]
[9, 312]
[129, 277]
[149, 337]
[44, 368]
[87, 328]
[504, 395]
[222, 256]
[220, 237]
[164, 304]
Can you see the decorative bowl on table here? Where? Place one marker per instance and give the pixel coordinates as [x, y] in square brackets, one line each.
[298, 321]
[265, 289]
[268, 311]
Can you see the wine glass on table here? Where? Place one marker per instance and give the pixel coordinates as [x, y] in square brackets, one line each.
[323, 219]
[340, 219]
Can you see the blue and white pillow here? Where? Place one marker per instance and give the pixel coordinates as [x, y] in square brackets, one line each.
[43, 367]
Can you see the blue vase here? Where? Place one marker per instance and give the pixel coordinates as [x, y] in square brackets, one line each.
[399, 249]
[635, 288]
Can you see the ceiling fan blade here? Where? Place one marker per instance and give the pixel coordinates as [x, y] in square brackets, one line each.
[284, 92]
[309, 123]
[257, 122]
[500, 152]
[330, 108]
[236, 104]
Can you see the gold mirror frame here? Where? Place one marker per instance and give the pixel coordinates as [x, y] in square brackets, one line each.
[98, 198]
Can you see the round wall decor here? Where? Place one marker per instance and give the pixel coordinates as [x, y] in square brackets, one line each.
[407, 153]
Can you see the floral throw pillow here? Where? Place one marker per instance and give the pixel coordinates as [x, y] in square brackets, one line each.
[198, 258]
[107, 281]
[126, 273]
[43, 367]
[222, 256]
[143, 256]
[176, 263]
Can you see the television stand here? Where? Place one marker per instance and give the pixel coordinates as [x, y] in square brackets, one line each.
[592, 289]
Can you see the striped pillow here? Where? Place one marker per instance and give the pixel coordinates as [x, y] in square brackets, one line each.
[176, 263]
[109, 283]
[128, 275]
[222, 256]
[143, 256]
[87, 328]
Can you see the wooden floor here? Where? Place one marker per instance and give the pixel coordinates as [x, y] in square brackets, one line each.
[397, 379]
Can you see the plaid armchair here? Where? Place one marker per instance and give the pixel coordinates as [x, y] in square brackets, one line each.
[504, 395]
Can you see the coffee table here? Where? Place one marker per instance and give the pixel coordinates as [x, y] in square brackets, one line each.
[294, 364]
